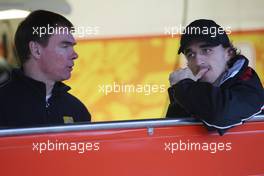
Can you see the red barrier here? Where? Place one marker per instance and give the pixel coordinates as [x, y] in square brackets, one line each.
[158, 151]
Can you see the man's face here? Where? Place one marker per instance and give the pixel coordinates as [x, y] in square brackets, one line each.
[57, 57]
[212, 60]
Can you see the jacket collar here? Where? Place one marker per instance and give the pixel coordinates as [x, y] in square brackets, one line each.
[39, 86]
[236, 66]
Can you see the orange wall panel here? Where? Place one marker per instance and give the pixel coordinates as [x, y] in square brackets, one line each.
[137, 61]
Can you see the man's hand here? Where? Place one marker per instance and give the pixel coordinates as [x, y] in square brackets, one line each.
[185, 73]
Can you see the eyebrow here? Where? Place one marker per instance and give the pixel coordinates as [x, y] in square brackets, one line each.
[187, 51]
[206, 45]
[201, 46]
[68, 43]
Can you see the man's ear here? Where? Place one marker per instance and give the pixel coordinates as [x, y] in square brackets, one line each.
[35, 49]
[230, 52]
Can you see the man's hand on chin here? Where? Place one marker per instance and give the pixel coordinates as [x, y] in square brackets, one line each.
[185, 73]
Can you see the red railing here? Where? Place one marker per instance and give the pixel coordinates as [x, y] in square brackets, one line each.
[145, 148]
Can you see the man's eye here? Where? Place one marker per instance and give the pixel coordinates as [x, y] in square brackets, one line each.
[64, 45]
[190, 55]
[206, 50]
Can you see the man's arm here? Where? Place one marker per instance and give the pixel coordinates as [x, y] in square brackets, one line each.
[176, 111]
[218, 107]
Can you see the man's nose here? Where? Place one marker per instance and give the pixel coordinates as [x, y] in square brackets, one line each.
[200, 60]
[74, 55]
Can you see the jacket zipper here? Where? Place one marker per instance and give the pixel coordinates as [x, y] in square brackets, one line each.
[47, 104]
[47, 109]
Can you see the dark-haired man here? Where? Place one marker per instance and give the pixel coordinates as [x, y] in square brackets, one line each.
[218, 87]
[34, 94]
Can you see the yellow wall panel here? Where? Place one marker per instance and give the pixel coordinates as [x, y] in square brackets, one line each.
[139, 61]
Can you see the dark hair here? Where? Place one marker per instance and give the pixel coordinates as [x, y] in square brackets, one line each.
[234, 51]
[235, 54]
[26, 31]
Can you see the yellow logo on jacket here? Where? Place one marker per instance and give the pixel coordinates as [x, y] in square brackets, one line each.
[68, 119]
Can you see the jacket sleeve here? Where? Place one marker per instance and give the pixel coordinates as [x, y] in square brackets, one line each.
[175, 110]
[2, 121]
[219, 107]
[82, 114]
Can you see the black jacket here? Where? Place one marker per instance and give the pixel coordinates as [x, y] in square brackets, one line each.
[237, 97]
[23, 103]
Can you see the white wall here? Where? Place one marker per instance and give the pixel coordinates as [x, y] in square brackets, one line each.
[148, 17]
[126, 17]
